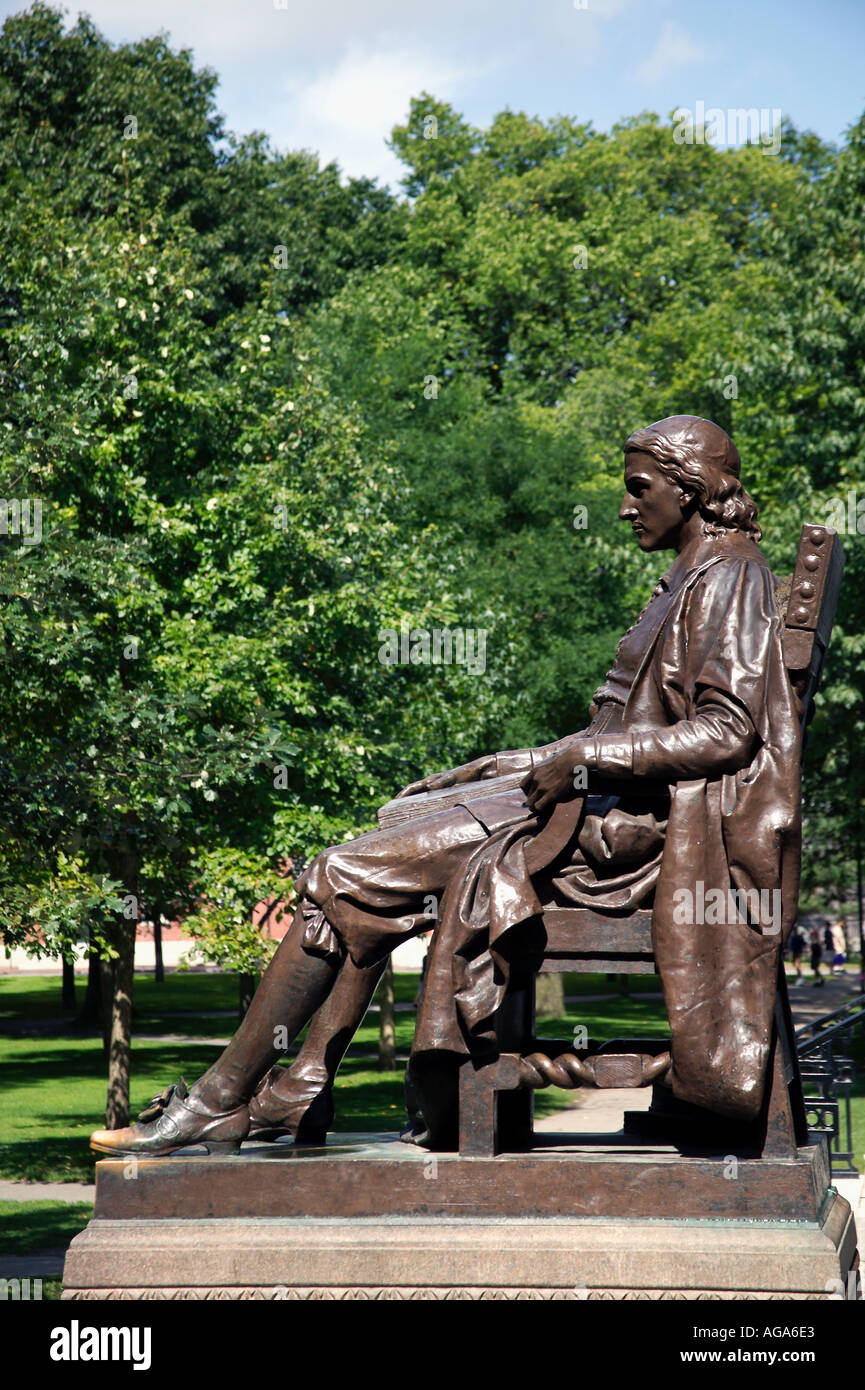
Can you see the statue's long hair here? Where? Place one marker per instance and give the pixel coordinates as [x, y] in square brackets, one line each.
[702, 458]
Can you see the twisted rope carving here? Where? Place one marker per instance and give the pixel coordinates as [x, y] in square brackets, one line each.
[566, 1070]
[569, 1071]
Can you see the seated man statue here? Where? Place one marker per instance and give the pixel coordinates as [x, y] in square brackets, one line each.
[686, 781]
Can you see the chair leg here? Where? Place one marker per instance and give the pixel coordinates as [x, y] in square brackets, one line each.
[477, 1113]
[787, 1035]
[482, 1090]
[784, 1123]
[779, 1140]
[515, 1026]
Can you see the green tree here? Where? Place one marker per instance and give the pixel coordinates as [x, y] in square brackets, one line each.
[215, 551]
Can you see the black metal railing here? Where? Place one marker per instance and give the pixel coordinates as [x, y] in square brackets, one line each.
[829, 1076]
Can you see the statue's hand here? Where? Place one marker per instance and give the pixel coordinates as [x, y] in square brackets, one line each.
[476, 771]
[555, 779]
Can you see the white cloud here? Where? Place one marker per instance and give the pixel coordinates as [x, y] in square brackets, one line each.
[674, 49]
[332, 77]
[335, 76]
[222, 31]
[215, 29]
[346, 112]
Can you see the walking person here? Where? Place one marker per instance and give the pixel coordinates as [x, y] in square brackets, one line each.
[816, 955]
[797, 950]
[839, 948]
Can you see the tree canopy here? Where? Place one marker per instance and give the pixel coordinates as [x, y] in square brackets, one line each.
[265, 415]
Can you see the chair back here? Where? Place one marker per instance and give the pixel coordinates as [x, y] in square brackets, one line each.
[809, 611]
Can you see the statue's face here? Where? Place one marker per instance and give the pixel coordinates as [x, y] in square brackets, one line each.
[652, 504]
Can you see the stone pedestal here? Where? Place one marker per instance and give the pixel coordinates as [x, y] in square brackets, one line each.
[578, 1217]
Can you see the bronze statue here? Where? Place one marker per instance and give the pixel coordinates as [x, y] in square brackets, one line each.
[686, 781]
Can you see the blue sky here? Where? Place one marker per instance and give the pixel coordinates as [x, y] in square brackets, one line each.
[335, 75]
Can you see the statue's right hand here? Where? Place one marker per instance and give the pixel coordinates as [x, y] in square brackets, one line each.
[475, 771]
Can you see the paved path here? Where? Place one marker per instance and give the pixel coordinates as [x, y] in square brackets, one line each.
[12, 1191]
[46, 1265]
[595, 1112]
[808, 1001]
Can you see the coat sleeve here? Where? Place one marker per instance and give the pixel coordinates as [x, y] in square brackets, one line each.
[524, 759]
[712, 666]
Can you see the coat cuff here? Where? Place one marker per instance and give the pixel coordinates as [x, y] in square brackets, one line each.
[516, 760]
[613, 756]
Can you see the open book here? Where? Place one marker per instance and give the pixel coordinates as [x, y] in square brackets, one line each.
[426, 803]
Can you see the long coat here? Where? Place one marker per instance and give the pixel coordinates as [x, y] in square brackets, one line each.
[734, 821]
[711, 714]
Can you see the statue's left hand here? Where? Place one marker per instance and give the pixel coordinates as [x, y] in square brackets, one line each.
[476, 771]
[555, 779]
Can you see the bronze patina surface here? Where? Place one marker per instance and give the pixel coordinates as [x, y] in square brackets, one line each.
[576, 1176]
[685, 781]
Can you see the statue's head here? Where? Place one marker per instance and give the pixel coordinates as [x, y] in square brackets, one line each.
[700, 458]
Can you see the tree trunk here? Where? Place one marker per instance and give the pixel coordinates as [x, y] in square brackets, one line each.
[91, 1012]
[387, 1030]
[859, 907]
[68, 987]
[246, 989]
[549, 996]
[122, 975]
[120, 1030]
[157, 944]
[106, 994]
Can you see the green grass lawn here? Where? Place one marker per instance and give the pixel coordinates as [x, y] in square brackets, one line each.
[857, 1123]
[38, 996]
[29, 1227]
[857, 1109]
[54, 1085]
[26, 1228]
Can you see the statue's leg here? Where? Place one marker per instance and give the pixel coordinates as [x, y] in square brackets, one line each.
[362, 898]
[298, 1100]
[294, 985]
[214, 1112]
[374, 892]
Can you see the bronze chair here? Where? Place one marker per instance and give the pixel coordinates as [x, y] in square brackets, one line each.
[496, 1096]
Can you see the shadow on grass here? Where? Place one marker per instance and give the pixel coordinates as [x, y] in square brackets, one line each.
[369, 1100]
[29, 1227]
[606, 1019]
[365, 1100]
[47, 1160]
[373, 1100]
[53, 1062]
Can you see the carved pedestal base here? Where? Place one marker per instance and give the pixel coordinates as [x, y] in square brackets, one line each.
[373, 1219]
